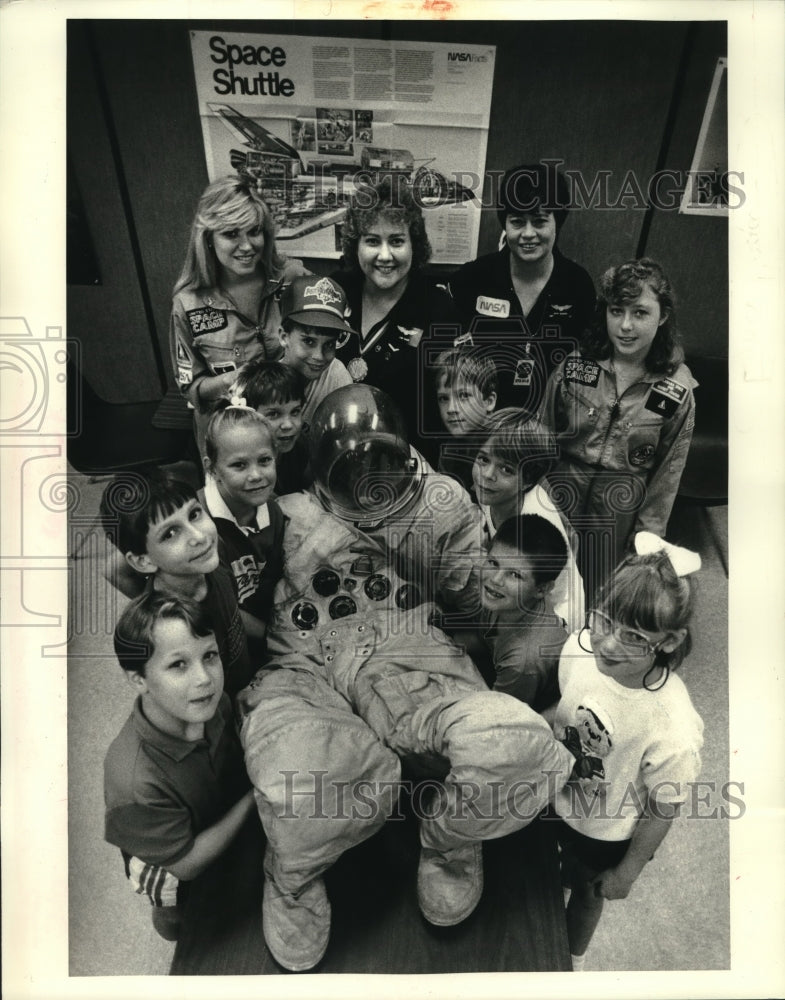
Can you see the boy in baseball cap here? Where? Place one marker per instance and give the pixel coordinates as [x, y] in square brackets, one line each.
[314, 315]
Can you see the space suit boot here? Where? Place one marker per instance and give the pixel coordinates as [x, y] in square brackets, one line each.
[449, 883]
[296, 926]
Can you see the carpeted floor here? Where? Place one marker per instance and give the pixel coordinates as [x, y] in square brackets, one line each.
[676, 918]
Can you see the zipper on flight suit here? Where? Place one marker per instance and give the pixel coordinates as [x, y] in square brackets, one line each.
[615, 412]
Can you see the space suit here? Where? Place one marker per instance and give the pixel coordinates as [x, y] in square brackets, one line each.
[361, 674]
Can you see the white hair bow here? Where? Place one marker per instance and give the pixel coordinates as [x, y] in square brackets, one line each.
[684, 561]
[239, 403]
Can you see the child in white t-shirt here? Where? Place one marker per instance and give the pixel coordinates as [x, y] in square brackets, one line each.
[621, 706]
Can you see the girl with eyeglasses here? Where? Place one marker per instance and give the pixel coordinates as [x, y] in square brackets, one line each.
[623, 710]
[622, 411]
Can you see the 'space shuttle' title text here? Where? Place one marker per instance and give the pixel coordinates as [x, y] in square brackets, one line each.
[265, 83]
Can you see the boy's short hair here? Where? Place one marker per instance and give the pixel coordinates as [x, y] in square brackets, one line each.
[266, 382]
[134, 501]
[474, 367]
[133, 634]
[517, 438]
[540, 541]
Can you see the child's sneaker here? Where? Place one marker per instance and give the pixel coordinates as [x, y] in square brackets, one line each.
[167, 920]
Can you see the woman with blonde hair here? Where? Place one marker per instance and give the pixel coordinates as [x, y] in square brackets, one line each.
[225, 307]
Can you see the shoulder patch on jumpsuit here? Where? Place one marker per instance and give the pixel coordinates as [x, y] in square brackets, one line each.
[665, 397]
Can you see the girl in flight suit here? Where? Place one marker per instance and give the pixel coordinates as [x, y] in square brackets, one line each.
[622, 411]
[225, 308]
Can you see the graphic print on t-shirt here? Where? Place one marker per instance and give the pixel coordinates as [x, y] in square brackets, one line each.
[246, 572]
[594, 729]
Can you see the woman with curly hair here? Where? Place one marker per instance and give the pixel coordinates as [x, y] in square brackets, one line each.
[225, 307]
[622, 411]
[393, 305]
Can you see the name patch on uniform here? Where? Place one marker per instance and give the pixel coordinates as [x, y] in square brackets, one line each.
[206, 319]
[523, 372]
[665, 397]
[582, 371]
[487, 306]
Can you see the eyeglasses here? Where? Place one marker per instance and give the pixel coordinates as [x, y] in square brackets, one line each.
[633, 641]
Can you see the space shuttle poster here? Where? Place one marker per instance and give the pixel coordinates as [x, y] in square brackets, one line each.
[310, 118]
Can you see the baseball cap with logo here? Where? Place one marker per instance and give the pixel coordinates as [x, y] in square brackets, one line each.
[316, 301]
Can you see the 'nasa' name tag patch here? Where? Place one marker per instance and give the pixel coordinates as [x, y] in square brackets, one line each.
[582, 371]
[665, 397]
[487, 306]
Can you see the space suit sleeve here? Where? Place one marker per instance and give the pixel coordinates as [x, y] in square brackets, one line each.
[663, 484]
[459, 555]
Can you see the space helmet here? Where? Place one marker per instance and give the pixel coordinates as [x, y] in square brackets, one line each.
[364, 470]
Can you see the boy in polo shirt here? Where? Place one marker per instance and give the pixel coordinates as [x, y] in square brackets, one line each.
[165, 536]
[175, 786]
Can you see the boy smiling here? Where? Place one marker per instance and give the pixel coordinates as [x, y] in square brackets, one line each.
[175, 785]
[522, 634]
[164, 534]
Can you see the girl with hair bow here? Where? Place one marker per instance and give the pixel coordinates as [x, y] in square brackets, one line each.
[625, 711]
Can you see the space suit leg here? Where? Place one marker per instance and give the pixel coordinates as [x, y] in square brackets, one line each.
[307, 755]
[505, 765]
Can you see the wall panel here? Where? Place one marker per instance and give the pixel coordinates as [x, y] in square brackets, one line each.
[109, 319]
[694, 249]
